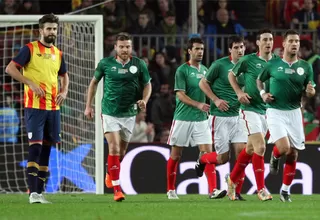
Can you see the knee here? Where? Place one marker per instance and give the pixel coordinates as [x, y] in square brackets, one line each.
[176, 155]
[223, 158]
[260, 149]
[34, 151]
[292, 156]
[114, 149]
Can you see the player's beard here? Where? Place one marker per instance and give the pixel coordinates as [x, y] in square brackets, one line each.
[124, 57]
[49, 39]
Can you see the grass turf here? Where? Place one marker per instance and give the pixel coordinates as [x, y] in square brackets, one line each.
[156, 206]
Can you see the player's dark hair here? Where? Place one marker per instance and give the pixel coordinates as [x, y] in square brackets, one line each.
[263, 31]
[306, 44]
[49, 18]
[289, 32]
[194, 40]
[123, 36]
[234, 39]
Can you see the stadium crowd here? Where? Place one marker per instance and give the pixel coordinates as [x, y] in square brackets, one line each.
[146, 20]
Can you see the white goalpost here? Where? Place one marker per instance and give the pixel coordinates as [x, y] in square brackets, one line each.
[77, 164]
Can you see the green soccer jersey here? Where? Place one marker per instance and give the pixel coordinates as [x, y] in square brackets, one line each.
[187, 79]
[250, 66]
[217, 77]
[122, 86]
[287, 82]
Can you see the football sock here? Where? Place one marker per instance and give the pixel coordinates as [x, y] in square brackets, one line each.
[240, 166]
[33, 167]
[172, 166]
[114, 171]
[288, 174]
[209, 158]
[276, 152]
[211, 175]
[43, 167]
[258, 169]
[240, 182]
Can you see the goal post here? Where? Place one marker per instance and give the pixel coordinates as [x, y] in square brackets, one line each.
[80, 38]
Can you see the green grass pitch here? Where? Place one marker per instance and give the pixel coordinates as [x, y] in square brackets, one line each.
[156, 206]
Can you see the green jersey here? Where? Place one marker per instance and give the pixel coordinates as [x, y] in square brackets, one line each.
[187, 79]
[217, 77]
[287, 82]
[251, 66]
[122, 86]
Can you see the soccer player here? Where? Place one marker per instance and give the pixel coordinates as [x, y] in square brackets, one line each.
[252, 114]
[127, 87]
[289, 78]
[190, 125]
[41, 63]
[224, 109]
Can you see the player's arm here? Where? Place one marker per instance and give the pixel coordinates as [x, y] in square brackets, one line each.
[147, 89]
[309, 83]
[98, 74]
[264, 76]
[237, 70]
[64, 82]
[180, 88]
[20, 61]
[205, 84]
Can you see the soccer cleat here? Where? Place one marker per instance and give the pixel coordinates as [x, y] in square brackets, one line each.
[274, 165]
[231, 188]
[108, 181]
[285, 197]
[118, 196]
[43, 199]
[199, 167]
[217, 194]
[263, 195]
[172, 194]
[239, 197]
[34, 198]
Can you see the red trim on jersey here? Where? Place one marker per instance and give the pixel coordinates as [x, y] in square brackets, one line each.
[17, 64]
[30, 98]
[244, 118]
[30, 45]
[53, 98]
[212, 128]
[230, 58]
[42, 48]
[53, 52]
[173, 122]
[42, 100]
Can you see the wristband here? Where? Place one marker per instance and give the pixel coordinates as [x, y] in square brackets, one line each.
[262, 92]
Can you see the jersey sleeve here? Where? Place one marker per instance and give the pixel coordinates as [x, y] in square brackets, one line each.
[240, 67]
[180, 81]
[145, 76]
[63, 68]
[213, 73]
[98, 73]
[23, 56]
[265, 74]
[309, 77]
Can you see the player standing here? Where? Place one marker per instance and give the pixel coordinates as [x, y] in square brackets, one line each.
[41, 63]
[253, 111]
[224, 110]
[289, 78]
[126, 87]
[190, 125]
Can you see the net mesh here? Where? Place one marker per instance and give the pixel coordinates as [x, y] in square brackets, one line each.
[72, 164]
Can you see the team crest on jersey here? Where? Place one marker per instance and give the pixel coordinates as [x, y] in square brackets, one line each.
[29, 135]
[133, 69]
[300, 71]
[258, 65]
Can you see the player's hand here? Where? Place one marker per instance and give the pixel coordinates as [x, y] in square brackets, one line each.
[37, 89]
[203, 107]
[89, 113]
[267, 97]
[149, 129]
[244, 98]
[142, 105]
[61, 97]
[309, 88]
[222, 105]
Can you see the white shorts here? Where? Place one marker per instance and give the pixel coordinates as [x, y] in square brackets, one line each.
[253, 122]
[226, 130]
[286, 124]
[125, 125]
[189, 133]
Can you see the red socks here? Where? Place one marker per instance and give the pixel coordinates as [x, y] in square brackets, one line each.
[211, 175]
[276, 152]
[114, 171]
[240, 182]
[289, 172]
[209, 158]
[258, 169]
[241, 164]
[172, 166]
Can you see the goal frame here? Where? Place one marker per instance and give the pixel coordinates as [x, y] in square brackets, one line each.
[98, 31]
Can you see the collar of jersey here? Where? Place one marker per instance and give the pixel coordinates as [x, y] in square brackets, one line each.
[258, 55]
[123, 64]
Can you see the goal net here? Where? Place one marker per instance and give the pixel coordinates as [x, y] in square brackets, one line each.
[72, 166]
